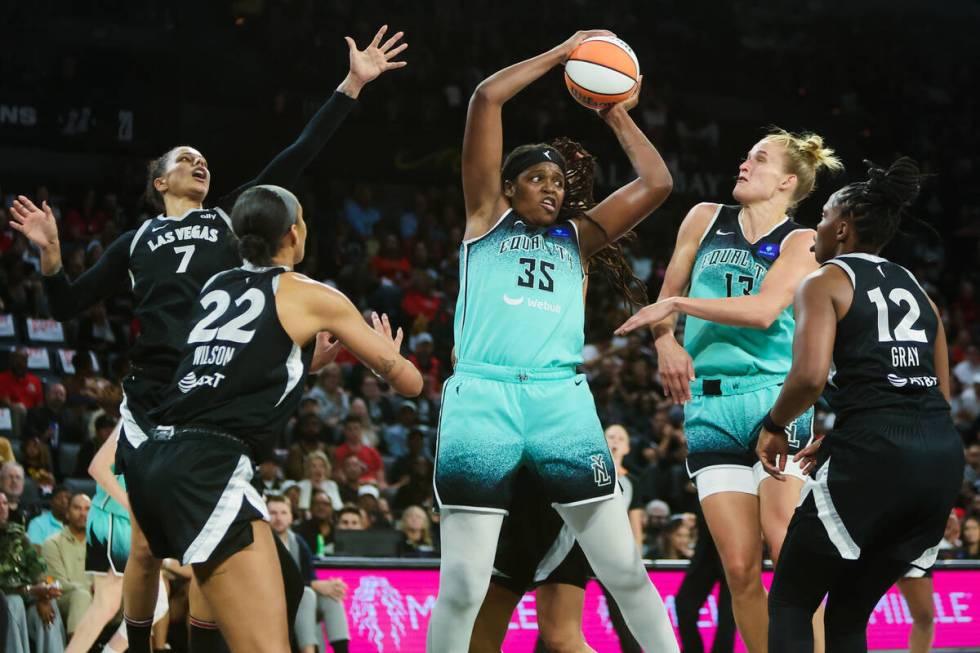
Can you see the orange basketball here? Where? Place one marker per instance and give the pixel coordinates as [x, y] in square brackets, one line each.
[601, 71]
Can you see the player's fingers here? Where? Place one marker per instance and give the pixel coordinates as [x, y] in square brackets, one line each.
[47, 210]
[18, 226]
[386, 323]
[26, 201]
[376, 321]
[394, 53]
[392, 41]
[395, 64]
[377, 37]
[781, 462]
[350, 44]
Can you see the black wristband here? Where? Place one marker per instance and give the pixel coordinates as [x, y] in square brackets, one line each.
[771, 426]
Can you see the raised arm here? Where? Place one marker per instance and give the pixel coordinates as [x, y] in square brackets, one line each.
[365, 66]
[629, 205]
[65, 297]
[483, 139]
[307, 307]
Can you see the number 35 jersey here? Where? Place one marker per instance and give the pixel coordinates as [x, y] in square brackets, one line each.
[884, 351]
[520, 299]
[728, 265]
[240, 371]
[169, 260]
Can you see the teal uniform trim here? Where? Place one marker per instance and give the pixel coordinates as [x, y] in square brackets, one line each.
[520, 301]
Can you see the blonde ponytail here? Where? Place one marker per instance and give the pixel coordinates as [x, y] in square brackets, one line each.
[805, 157]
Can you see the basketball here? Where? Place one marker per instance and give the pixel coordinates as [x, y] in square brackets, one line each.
[601, 71]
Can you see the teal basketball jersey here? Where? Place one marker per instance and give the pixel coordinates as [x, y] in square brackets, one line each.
[728, 265]
[520, 299]
[104, 502]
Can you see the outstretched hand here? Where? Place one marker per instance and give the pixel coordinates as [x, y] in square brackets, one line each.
[37, 224]
[367, 64]
[383, 328]
[325, 352]
[576, 39]
[648, 315]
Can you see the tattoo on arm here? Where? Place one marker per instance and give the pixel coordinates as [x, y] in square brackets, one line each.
[387, 365]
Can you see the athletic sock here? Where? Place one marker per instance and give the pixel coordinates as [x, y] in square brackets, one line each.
[205, 637]
[339, 646]
[138, 631]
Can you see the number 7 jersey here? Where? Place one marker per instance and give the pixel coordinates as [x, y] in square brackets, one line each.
[169, 260]
[520, 299]
[240, 371]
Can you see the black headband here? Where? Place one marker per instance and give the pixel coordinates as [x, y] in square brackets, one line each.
[525, 160]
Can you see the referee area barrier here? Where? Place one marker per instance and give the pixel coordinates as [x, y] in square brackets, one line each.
[389, 602]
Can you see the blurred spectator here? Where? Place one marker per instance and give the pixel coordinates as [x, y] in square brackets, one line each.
[359, 211]
[317, 531]
[36, 617]
[421, 302]
[50, 521]
[36, 459]
[350, 519]
[290, 490]
[390, 263]
[104, 425]
[97, 333]
[53, 422]
[19, 389]
[401, 469]
[84, 382]
[423, 358]
[23, 501]
[353, 445]
[951, 537]
[379, 406]
[331, 396]
[318, 477]
[349, 476]
[971, 537]
[677, 541]
[268, 481]
[369, 501]
[359, 409]
[308, 438]
[417, 530]
[6, 451]
[968, 369]
[971, 473]
[64, 555]
[323, 599]
[657, 517]
[396, 435]
[418, 491]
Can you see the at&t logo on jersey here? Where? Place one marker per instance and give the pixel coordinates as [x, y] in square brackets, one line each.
[195, 232]
[600, 473]
[916, 381]
[192, 380]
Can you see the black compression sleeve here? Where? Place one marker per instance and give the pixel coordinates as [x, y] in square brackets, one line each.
[69, 298]
[289, 164]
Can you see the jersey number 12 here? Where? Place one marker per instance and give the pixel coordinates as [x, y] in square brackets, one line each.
[904, 331]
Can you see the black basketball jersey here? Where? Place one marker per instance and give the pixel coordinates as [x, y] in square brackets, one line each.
[240, 371]
[169, 260]
[884, 351]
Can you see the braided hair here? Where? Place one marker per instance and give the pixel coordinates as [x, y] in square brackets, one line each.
[579, 189]
[876, 207]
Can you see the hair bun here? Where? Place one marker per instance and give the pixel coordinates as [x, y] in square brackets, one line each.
[253, 248]
[898, 186]
[812, 146]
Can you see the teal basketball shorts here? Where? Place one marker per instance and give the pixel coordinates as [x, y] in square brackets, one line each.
[722, 424]
[107, 539]
[496, 421]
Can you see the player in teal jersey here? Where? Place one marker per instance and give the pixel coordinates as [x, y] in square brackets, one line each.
[733, 273]
[515, 401]
[107, 550]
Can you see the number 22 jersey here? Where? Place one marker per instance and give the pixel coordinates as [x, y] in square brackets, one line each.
[520, 300]
[240, 372]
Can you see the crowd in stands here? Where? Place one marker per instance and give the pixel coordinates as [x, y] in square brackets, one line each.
[357, 458]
